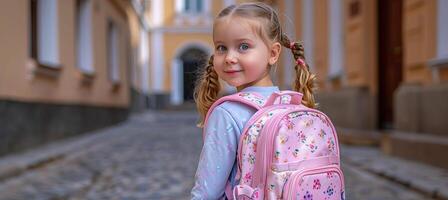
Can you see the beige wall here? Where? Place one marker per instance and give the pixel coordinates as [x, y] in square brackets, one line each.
[134, 34]
[419, 39]
[321, 41]
[18, 83]
[175, 41]
[361, 57]
[216, 7]
[13, 51]
[169, 12]
[360, 45]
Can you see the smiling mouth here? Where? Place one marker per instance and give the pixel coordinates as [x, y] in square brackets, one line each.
[233, 71]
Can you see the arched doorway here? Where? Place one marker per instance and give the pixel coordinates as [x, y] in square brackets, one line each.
[191, 60]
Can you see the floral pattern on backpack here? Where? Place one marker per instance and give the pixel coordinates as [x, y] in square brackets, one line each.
[303, 162]
[253, 98]
[249, 140]
[301, 135]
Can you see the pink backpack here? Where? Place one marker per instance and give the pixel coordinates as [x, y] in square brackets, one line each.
[286, 151]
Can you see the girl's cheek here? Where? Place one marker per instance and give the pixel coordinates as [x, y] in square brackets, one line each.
[216, 64]
[217, 59]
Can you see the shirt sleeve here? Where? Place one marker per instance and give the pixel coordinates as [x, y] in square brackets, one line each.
[217, 156]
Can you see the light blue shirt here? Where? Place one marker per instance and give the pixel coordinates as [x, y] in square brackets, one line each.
[217, 163]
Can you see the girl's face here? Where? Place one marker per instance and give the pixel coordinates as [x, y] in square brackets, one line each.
[241, 57]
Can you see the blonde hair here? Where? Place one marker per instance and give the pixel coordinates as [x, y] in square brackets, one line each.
[208, 86]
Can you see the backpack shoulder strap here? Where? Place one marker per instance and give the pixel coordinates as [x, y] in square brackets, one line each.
[250, 99]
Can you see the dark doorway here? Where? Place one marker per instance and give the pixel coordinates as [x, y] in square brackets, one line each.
[390, 52]
[192, 60]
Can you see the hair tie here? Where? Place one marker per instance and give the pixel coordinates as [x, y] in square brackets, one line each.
[300, 62]
[291, 45]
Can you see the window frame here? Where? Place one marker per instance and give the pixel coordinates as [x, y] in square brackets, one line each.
[44, 38]
[113, 52]
[84, 38]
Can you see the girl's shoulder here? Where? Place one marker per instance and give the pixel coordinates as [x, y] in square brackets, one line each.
[238, 112]
[235, 109]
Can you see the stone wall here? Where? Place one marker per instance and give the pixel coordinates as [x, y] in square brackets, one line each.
[26, 125]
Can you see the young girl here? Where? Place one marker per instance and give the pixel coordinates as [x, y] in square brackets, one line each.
[248, 39]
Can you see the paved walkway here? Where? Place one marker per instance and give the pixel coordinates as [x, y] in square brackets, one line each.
[149, 157]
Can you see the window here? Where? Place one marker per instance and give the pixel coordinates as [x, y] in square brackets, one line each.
[193, 12]
[336, 48]
[84, 52]
[441, 59]
[113, 52]
[190, 6]
[44, 40]
[442, 29]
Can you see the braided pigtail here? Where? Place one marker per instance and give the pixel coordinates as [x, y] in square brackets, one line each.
[305, 80]
[206, 90]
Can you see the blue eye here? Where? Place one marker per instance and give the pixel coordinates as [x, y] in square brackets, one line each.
[220, 48]
[244, 46]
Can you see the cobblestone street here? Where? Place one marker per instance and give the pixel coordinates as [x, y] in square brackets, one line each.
[148, 157]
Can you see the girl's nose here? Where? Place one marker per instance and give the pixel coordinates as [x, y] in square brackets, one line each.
[231, 58]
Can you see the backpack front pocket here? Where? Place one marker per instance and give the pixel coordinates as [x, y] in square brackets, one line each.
[320, 183]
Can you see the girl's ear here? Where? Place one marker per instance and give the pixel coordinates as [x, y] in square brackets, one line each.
[276, 48]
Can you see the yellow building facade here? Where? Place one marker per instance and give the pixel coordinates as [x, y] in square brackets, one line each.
[381, 65]
[67, 67]
[56, 76]
[180, 42]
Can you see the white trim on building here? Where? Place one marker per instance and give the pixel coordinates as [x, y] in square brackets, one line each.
[157, 8]
[441, 58]
[336, 39]
[113, 53]
[192, 6]
[157, 62]
[84, 55]
[144, 61]
[48, 38]
[442, 29]
[308, 31]
[191, 12]
[177, 82]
